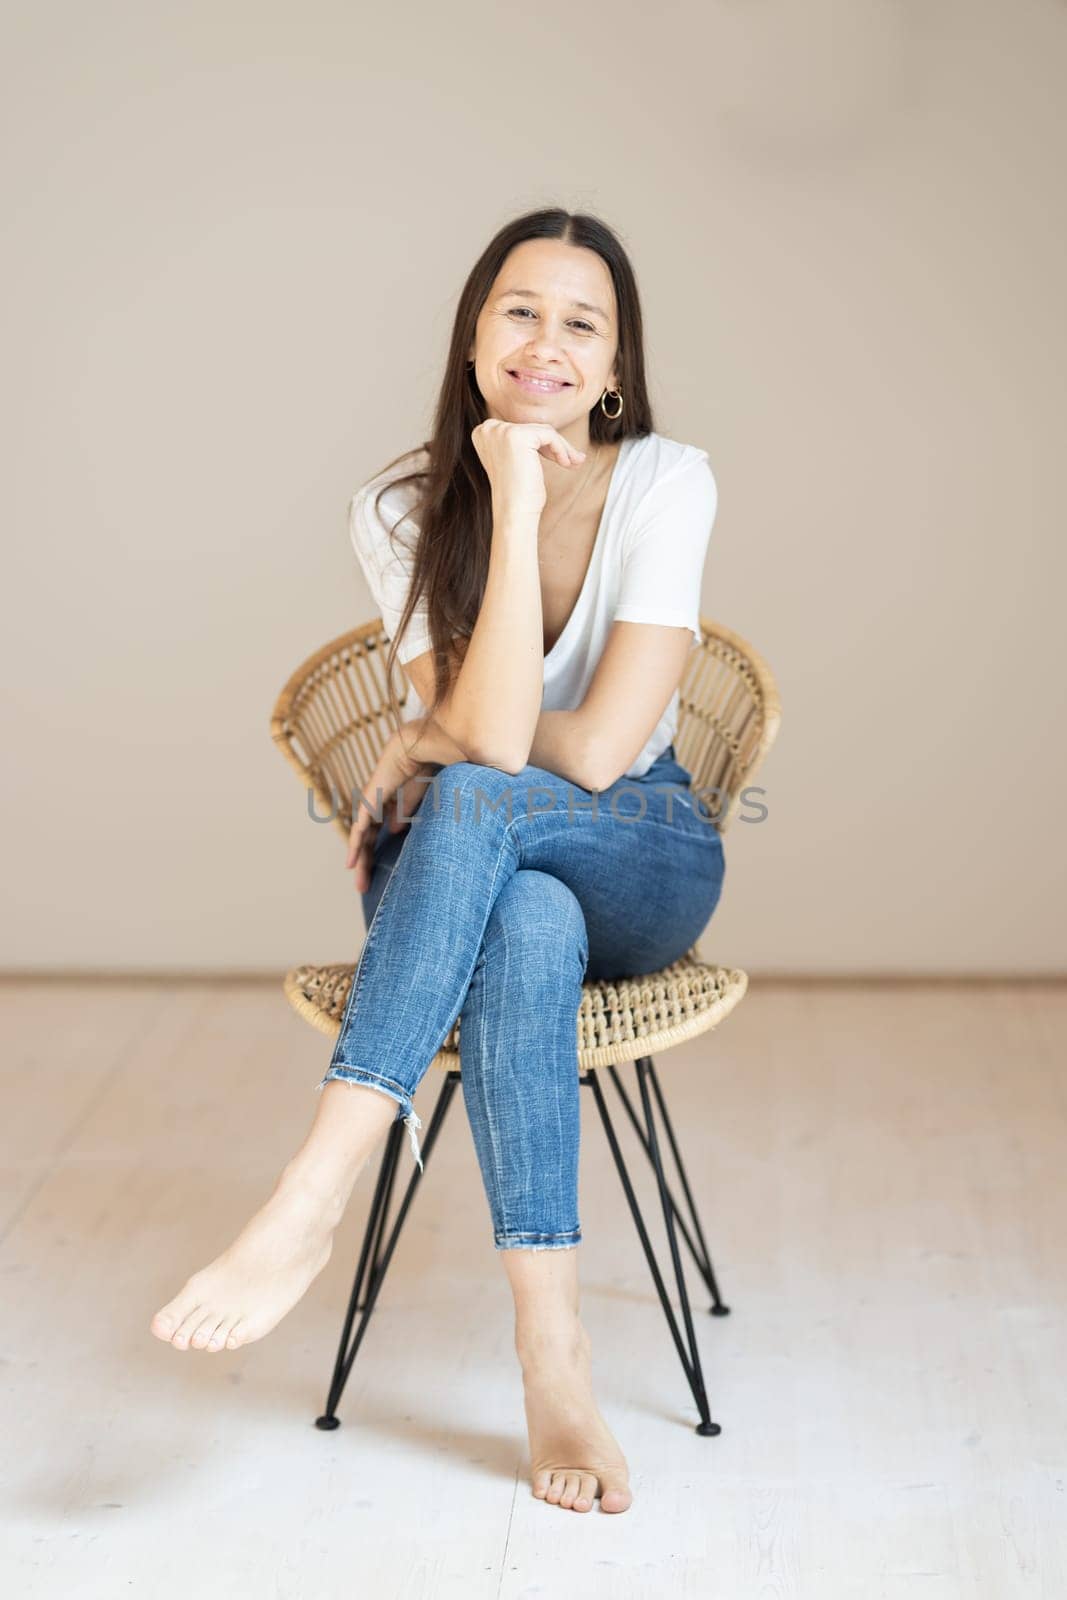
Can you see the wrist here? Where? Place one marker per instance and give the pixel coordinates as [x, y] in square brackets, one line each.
[515, 519]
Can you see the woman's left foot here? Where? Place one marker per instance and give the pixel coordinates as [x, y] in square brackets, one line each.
[574, 1457]
[246, 1291]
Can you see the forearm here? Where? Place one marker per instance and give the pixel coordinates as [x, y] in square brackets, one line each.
[424, 739]
[495, 700]
[561, 745]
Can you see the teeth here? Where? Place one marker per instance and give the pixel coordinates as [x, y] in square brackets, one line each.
[539, 382]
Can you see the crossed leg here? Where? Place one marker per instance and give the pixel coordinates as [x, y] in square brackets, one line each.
[519, 1057]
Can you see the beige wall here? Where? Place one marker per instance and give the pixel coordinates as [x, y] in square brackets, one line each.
[234, 237]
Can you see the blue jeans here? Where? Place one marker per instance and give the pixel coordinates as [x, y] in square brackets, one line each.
[505, 892]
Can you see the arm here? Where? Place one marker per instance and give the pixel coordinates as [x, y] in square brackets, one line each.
[558, 744]
[493, 704]
[497, 684]
[656, 617]
[641, 666]
[496, 688]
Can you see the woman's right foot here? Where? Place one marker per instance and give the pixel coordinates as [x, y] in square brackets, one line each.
[574, 1456]
[246, 1291]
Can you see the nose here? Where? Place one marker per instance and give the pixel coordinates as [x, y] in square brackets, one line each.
[543, 340]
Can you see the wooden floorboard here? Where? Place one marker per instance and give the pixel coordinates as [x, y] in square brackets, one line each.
[880, 1174]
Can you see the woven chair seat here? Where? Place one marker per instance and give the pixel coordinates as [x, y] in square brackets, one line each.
[618, 1020]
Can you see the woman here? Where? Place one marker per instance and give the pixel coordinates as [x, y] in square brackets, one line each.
[543, 619]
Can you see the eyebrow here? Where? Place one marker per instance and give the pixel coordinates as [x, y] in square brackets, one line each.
[531, 294]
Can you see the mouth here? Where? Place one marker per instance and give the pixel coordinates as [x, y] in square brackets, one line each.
[531, 383]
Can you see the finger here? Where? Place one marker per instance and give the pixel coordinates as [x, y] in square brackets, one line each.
[568, 455]
[549, 438]
[365, 866]
[355, 836]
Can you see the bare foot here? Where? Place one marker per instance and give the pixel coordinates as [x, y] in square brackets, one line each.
[247, 1290]
[574, 1456]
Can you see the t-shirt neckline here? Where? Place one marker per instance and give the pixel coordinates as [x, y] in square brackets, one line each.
[579, 604]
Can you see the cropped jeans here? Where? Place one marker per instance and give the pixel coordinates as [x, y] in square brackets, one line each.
[506, 891]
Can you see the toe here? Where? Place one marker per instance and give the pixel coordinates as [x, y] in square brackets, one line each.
[186, 1328]
[555, 1487]
[615, 1494]
[171, 1316]
[570, 1489]
[541, 1481]
[201, 1334]
[583, 1500]
[218, 1334]
[223, 1331]
[235, 1337]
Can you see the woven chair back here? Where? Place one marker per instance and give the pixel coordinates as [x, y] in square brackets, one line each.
[332, 718]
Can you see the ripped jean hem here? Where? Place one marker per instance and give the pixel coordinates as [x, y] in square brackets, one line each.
[537, 1241]
[388, 1086]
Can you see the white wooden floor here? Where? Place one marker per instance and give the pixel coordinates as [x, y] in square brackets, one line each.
[881, 1176]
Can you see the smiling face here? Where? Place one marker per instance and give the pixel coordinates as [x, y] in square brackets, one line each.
[550, 315]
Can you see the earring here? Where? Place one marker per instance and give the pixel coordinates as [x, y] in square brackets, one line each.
[616, 394]
[470, 364]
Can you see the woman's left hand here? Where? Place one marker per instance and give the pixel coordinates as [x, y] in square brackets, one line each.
[395, 767]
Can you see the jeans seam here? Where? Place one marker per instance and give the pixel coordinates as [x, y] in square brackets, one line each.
[357, 980]
[493, 1142]
[343, 1068]
[503, 1234]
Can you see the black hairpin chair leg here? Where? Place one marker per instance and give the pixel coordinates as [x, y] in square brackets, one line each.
[700, 1256]
[689, 1357]
[372, 1253]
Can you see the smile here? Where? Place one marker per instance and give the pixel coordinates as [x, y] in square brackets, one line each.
[537, 385]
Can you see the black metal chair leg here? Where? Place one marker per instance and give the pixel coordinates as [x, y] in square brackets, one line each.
[700, 1256]
[372, 1238]
[375, 1228]
[690, 1358]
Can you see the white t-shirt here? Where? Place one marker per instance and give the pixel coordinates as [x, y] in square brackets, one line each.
[646, 566]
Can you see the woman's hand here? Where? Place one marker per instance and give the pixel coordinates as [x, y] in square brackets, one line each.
[510, 453]
[391, 777]
[399, 811]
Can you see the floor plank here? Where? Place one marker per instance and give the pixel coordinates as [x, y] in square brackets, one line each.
[879, 1172]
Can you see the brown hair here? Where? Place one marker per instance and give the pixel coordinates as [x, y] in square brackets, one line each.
[454, 506]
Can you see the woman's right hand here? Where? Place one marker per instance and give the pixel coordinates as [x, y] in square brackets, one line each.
[401, 807]
[511, 454]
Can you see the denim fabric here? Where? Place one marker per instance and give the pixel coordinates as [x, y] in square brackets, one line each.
[505, 892]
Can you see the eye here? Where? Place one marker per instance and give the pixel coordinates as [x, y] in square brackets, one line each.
[575, 321]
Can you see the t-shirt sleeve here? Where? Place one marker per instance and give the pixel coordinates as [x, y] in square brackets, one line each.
[665, 546]
[387, 564]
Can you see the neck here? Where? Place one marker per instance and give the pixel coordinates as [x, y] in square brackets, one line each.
[562, 483]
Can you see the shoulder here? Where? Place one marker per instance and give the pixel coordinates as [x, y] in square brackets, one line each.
[382, 503]
[656, 459]
[666, 478]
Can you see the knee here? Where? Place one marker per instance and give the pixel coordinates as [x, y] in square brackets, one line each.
[468, 789]
[537, 917]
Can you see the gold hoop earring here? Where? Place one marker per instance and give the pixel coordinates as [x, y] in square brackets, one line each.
[616, 394]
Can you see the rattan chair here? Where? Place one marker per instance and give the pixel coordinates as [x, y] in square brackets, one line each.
[330, 722]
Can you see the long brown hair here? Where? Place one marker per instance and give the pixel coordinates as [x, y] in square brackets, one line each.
[454, 506]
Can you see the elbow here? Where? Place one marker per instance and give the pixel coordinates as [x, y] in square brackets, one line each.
[509, 761]
[600, 768]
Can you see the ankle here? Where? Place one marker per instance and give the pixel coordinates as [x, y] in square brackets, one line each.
[325, 1194]
[550, 1335]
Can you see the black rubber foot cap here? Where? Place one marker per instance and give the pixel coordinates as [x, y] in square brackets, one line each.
[708, 1429]
[327, 1423]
